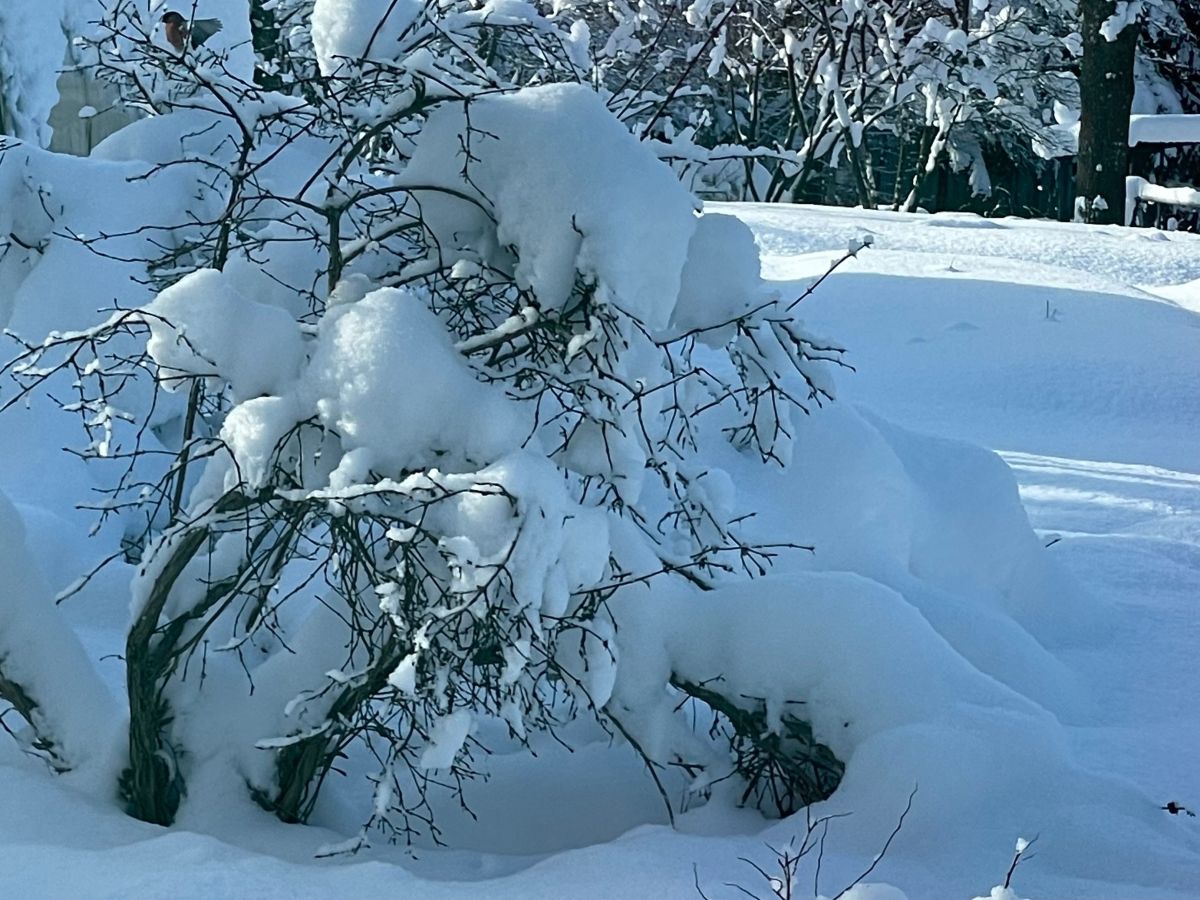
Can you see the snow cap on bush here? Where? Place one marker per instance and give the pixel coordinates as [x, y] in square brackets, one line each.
[562, 183]
[346, 30]
[202, 325]
[722, 275]
[387, 379]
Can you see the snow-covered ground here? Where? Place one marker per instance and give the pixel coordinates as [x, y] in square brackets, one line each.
[1071, 350]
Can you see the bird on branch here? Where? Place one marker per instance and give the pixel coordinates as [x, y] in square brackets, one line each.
[180, 33]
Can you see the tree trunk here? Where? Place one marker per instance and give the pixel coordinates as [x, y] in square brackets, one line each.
[1106, 98]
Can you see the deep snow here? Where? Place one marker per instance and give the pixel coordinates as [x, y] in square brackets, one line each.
[1069, 349]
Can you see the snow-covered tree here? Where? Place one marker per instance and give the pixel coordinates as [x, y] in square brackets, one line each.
[776, 101]
[34, 38]
[456, 347]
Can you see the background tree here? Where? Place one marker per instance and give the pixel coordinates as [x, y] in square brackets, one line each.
[1106, 86]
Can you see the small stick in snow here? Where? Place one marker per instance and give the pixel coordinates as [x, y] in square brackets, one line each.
[1022, 846]
[1175, 809]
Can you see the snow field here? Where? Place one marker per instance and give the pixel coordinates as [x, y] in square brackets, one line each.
[989, 673]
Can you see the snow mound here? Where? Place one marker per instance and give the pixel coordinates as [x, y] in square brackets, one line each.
[33, 41]
[721, 277]
[184, 134]
[40, 653]
[920, 515]
[54, 280]
[914, 641]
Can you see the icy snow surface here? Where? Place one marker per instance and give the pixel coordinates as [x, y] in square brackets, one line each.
[1028, 681]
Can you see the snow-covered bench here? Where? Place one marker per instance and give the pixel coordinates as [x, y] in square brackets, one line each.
[1138, 189]
[1160, 129]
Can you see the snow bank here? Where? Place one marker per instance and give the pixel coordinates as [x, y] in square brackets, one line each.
[1054, 256]
[563, 184]
[971, 536]
[785, 639]
[915, 637]
[195, 135]
[932, 530]
[62, 283]
[184, 134]
[902, 699]
[59, 283]
[891, 697]
[33, 43]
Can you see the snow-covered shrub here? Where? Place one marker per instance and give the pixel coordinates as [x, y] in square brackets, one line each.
[33, 43]
[788, 877]
[454, 353]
